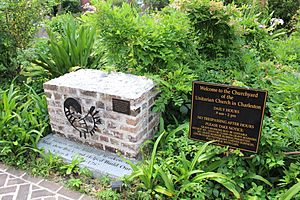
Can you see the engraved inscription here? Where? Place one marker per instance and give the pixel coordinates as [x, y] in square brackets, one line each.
[121, 106]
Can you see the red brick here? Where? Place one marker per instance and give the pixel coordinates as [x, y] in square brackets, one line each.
[32, 179]
[140, 99]
[15, 172]
[136, 138]
[103, 138]
[88, 93]
[133, 122]
[67, 91]
[114, 142]
[111, 125]
[4, 190]
[118, 134]
[48, 95]
[50, 185]
[69, 193]
[130, 129]
[8, 197]
[100, 104]
[135, 112]
[111, 115]
[144, 106]
[153, 124]
[150, 118]
[50, 87]
[2, 179]
[98, 146]
[23, 191]
[95, 137]
[111, 149]
[15, 181]
[51, 110]
[57, 96]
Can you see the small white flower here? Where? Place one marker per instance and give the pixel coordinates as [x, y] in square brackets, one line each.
[276, 22]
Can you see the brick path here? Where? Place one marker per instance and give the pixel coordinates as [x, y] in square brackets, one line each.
[17, 185]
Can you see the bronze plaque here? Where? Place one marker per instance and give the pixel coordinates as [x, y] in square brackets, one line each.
[121, 106]
[232, 116]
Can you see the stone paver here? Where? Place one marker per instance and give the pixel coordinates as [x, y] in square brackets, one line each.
[17, 185]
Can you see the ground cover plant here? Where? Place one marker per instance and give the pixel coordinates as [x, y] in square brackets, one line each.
[240, 44]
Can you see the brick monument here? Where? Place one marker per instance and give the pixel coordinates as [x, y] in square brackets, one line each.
[109, 111]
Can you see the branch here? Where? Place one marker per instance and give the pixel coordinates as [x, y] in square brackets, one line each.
[292, 153]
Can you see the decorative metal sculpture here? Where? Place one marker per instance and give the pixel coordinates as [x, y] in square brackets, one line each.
[85, 124]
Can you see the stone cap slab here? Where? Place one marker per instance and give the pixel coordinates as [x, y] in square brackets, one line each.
[115, 83]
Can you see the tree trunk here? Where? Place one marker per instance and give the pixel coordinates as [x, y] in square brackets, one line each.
[263, 3]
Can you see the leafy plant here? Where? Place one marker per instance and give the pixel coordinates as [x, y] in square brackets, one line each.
[147, 172]
[68, 50]
[74, 183]
[73, 167]
[46, 165]
[23, 121]
[19, 21]
[175, 181]
[108, 195]
[291, 192]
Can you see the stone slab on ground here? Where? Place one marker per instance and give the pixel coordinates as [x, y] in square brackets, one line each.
[98, 161]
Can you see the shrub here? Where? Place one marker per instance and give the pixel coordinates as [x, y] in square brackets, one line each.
[144, 43]
[284, 9]
[19, 21]
[212, 23]
[69, 48]
[177, 174]
[157, 45]
[23, 121]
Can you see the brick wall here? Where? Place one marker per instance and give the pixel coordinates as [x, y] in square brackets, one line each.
[105, 126]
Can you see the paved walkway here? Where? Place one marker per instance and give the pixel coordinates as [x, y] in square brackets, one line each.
[17, 185]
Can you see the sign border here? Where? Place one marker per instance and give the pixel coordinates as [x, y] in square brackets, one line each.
[229, 86]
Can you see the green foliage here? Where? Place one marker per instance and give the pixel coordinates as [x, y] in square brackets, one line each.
[190, 39]
[284, 9]
[66, 6]
[108, 195]
[144, 43]
[19, 20]
[73, 167]
[212, 24]
[68, 49]
[147, 172]
[23, 121]
[174, 176]
[46, 165]
[291, 192]
[74, 183]
[156, 4]
[158, 45]
[287, 51]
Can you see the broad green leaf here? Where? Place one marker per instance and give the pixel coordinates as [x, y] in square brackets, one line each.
[260, 178]
[164, 191]
[295, 189]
